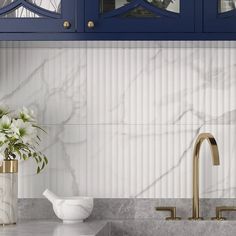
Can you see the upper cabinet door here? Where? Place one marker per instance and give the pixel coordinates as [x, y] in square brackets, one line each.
[37, 15]
[220, 16]
[139, 15]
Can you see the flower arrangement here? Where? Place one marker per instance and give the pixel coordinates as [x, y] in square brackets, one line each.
[19, 138]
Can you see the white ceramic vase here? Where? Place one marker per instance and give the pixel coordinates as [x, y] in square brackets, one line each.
[8, 192]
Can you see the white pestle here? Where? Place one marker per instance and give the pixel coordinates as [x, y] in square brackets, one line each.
[52, 197]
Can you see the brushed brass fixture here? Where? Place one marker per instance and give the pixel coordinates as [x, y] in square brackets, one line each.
[66, 24]
[91, 24]
[216, 161]
[220, 210]
[3, 225]
[9, 167]
[172, 211]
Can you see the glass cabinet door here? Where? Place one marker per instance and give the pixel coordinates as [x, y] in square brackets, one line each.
[226, 5]
[220, 16]
[139, 15]
[37, 15]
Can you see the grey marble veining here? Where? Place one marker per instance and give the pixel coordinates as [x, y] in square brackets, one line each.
[125, 209]
[122, 228]
[35, 209]
[148, 227]
[126, 217]
[114, 209]
[172, 228]
[145, 208]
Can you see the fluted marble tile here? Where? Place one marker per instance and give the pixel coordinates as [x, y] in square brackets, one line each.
[156, 161]
[217, 181]
[50, 81]
[161, 85]
[140, 160]
[66, 173]
[130, 161]
[123, 117]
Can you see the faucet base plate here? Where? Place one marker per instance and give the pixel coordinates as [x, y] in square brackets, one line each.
[216, 218]
[171, 218]
[192, 218]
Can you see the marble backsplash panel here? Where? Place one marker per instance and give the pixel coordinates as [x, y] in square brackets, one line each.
[122, 120]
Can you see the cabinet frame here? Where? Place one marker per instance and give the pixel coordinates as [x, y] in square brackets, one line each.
[207, 26]
[168, 22]
[50, 22]
[218, 22]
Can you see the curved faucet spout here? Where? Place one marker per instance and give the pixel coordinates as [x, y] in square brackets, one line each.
[216, 161]
[213, 145]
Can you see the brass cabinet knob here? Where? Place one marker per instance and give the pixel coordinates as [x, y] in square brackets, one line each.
[172, 211]
[91, 24]
[66, 24]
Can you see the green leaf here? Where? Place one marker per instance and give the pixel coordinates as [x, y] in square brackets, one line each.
[45, 160]
[37, 160]
[25, 157]
[18, 152]
[38, 170]
[40, 158]
[43, 165]
[38, 127]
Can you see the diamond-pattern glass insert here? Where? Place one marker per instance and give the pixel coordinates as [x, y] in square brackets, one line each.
[20, 12]
[50, 5]
[4, 3]
[140, 12]
[226, 5]
[169, 5]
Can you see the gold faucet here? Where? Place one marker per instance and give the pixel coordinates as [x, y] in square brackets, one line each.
[220, 210]
[216, 161]
[172, 211]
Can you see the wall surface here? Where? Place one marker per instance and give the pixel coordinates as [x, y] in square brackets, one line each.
[122, 118]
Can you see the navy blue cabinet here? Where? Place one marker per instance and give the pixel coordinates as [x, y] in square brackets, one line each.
[117, 19]
[220, 16]
[139, 16]
[37, 16]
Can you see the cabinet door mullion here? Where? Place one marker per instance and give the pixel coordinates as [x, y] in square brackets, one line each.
[152, 17]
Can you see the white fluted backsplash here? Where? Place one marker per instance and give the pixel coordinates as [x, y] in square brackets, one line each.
[122, 119]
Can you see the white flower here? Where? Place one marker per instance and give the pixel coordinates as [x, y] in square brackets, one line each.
[5, 122]
[3, 138]
[24, 130]
[26, 114]
[3, 110]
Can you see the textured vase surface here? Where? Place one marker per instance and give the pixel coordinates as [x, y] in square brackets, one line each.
[8, 198]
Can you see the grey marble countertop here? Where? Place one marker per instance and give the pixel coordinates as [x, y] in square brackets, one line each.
[148, 227]
[56, 228]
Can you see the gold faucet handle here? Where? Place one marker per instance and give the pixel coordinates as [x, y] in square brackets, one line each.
[172, 211]
[220, 210]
